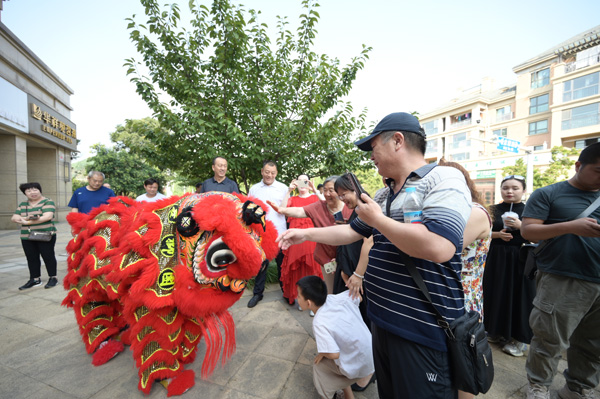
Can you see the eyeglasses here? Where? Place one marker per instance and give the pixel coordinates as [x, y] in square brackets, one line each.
[341, 197]
[516, 177]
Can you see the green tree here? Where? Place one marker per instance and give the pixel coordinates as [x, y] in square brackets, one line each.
[124, 171]
[223, 88]
[558, 169]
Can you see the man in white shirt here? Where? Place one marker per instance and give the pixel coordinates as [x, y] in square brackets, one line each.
[152, 194]
[269, 189]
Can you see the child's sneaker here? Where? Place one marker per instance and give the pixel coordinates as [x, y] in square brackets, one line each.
[34, 282]
[51, 282]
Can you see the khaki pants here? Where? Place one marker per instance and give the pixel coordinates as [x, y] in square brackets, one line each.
[329, 379]
[566, 314]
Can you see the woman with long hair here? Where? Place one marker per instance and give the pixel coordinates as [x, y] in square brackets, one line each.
[508, 294]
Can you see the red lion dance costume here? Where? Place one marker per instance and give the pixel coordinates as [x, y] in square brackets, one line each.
[160, 276]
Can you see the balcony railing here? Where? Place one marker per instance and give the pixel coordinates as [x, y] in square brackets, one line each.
[466, 122]
[505, 117]
[573, 66]
[580, 121]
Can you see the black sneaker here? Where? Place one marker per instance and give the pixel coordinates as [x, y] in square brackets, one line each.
[34, 282]
[52, 282]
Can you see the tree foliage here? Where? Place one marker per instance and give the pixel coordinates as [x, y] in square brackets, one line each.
[124, 171]
[558, 169]
[221, 87]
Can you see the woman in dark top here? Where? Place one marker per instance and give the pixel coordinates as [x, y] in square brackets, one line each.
[508, 294]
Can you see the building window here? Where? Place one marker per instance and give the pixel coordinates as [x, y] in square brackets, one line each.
[538, 104]
[431, 127]
[461, 120]
[463, 156]
[585, 115]
[460, 141]
[538, 127]
[500, 132]
[432, 146]
[503, 114]
[581, 144]
[540, 78]
[538, 147]
[581, 87]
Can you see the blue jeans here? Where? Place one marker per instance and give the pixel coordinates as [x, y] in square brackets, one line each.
[566, 314]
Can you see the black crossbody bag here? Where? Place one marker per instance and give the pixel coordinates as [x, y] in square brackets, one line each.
[529, 252]
[470, 355]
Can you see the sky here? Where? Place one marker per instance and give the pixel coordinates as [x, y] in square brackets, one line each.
[424, 52]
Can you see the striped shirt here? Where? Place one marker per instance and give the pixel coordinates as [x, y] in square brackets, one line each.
[396, 304]
[24, 210]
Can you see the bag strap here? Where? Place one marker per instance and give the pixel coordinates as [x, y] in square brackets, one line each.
[412, 269]
[594, 205]
[588, 211]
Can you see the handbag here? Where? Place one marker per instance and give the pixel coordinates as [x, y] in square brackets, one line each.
[528, 252]
[43, 236]
[469, 353]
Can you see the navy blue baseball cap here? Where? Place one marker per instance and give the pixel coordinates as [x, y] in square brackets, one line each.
[398, 121]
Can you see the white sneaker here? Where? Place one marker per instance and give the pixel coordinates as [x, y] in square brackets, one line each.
[535, 391]
[514, 348]
[566, 393]
[312, 314]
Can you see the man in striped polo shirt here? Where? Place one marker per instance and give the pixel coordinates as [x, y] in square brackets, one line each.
[409, 348]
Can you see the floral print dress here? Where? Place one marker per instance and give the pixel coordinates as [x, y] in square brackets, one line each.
[473, 259]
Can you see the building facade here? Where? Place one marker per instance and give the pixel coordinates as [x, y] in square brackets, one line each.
[555, 102]
[37, 137]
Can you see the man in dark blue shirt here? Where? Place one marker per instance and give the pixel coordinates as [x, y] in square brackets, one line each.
[219, 182]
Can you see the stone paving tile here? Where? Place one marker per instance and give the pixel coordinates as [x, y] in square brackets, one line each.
[263, 376]
[283, 344]
[15, 335]
[15, 385]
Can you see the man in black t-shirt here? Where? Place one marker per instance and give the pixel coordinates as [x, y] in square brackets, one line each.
[219, 182]
[566, 312]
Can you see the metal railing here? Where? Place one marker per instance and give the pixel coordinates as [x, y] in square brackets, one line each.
[573, 66]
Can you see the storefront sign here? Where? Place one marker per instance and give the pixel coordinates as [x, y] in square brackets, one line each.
[46, 123]
[13, 107]
[485, 174]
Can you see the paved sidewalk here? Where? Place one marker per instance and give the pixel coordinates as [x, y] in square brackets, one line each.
[42, 356]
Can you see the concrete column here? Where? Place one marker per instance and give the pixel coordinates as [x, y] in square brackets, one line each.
[13, 171]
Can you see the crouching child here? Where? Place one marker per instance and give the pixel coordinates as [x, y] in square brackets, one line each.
[343, 340]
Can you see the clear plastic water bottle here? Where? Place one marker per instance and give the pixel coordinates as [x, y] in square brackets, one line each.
[412, 207]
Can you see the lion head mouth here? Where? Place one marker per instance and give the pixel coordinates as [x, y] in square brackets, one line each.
[211, 259]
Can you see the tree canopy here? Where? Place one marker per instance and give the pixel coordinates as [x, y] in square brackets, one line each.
[558, 169]
[131, 160]
[222, 87]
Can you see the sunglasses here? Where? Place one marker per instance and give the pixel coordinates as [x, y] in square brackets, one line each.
[516, 177]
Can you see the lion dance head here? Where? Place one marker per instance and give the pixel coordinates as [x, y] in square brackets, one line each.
[160, 276]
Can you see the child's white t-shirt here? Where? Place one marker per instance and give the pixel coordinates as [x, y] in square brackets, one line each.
[339, 328]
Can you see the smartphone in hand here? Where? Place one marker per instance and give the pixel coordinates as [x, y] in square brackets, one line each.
[357, 187]
[339, 218]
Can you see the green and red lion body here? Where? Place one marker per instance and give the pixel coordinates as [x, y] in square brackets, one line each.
[161, 275]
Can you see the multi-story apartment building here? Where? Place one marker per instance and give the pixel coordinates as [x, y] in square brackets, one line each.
[555, 102]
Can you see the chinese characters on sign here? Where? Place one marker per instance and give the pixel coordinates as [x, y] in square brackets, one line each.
[508, 145]
[52, 125]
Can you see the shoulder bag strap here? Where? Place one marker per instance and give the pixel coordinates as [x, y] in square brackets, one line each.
[588, 211]
[412, 269]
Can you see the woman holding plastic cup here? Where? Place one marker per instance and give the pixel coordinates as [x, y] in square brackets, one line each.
[507, 293]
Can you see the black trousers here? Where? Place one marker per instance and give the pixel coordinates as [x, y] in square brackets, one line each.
[33, 250]
[261, 277]
[406, 369]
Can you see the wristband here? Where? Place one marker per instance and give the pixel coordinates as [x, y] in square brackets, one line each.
[358, 275]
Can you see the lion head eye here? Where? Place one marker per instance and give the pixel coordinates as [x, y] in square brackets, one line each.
[219, 256]
[186, 225]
